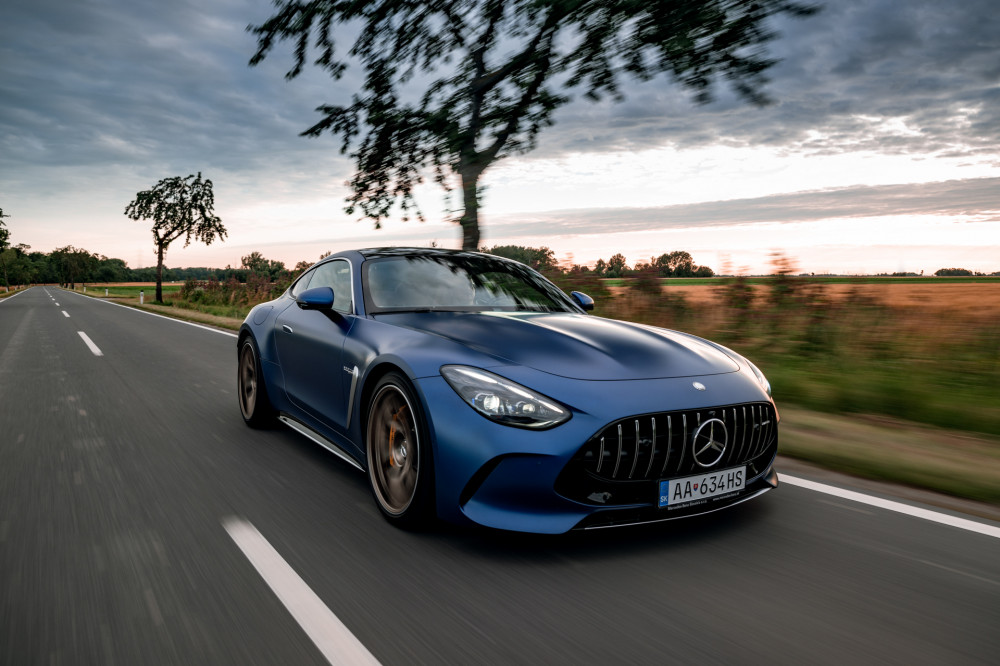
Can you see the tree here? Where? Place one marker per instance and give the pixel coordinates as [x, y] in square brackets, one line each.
[256, 263]
[675, 264]
[4, 244]
[495, 71]
[73, 265]
[539, 258]
[111, 270]
[616, 266]
[178, 207]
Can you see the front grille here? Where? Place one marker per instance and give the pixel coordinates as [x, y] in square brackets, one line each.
[618, 463]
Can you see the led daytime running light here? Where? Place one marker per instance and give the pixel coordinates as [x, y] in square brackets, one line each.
[502, 400]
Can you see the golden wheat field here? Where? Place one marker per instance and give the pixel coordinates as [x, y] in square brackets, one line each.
[967, 299]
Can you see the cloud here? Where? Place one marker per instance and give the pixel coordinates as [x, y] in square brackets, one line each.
[143, 82]
[880, 75]
[976, 197]
[170, 83]
[105, 97]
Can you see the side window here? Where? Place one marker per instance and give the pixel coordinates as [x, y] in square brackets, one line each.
[302, 284]
[336, 275]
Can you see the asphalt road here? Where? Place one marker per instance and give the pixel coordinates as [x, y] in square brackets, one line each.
[118, 473]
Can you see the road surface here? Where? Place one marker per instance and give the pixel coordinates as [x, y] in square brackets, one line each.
[142, 523]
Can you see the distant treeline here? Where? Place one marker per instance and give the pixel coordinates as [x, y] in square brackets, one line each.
[962, 272]
[69, 266]
[670, 264]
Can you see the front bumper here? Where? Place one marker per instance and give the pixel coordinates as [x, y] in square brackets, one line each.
[530, 481]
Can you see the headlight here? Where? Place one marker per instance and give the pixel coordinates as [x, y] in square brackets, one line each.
[502, 400]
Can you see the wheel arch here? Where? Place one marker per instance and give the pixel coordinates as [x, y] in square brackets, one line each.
[375, 373]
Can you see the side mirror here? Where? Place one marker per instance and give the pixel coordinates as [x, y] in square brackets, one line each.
[581, 299]
[317, 298]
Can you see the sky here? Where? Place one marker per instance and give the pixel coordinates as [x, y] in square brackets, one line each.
[880, 152]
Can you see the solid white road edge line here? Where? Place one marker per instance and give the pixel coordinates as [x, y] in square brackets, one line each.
[333, 639]
[4, 300]
[889, 505]
[153, 314]
[90, 343]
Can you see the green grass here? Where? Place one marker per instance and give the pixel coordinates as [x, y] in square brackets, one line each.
[846, 356]
[945, 461]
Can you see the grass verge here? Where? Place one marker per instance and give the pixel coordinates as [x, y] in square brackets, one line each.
[169, 309]
[952, 462]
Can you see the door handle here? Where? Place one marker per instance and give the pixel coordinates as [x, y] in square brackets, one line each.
[286, 328]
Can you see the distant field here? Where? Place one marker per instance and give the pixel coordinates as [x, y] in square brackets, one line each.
[618, 282]
[974, 299]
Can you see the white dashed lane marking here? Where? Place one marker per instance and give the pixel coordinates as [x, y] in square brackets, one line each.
[90, 343]
[333, 639]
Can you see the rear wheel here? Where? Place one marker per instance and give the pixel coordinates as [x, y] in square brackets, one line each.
[400, 469]
[254, 403]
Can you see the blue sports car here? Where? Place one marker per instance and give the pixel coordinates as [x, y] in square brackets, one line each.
[470, 388]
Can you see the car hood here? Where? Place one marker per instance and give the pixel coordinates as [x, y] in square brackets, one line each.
[572, 345]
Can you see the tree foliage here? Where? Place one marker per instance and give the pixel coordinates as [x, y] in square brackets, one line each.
[680, 264]
[178, 207]
[4, 244]
[617, 266]
[493, 72]
[258, 264]
[72, 264]
[539, 258]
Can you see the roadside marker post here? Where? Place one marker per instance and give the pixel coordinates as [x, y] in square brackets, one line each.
[141, 294]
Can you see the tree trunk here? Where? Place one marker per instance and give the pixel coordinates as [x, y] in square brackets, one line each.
[470, 217]
[159, 272]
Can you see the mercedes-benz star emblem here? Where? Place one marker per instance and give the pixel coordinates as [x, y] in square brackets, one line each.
[709, 442]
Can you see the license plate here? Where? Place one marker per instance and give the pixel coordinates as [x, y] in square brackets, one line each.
[675, 492]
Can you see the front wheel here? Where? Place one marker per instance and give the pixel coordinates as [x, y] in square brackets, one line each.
[254, 404]
[400, 468]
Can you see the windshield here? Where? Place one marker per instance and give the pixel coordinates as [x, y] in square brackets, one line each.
[457, 282]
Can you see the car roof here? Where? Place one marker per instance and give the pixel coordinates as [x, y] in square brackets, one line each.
[379, 252]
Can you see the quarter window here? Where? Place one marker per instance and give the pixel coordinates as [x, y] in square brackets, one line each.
[301, 284]
[336, 275]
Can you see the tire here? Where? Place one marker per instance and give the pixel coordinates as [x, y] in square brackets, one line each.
[250, 387]
[400, 463]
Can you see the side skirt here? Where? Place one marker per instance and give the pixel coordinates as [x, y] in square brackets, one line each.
[309, 433]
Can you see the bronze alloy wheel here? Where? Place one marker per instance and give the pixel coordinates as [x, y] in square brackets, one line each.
[250, 388]
[393, 450]
[248, 381]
